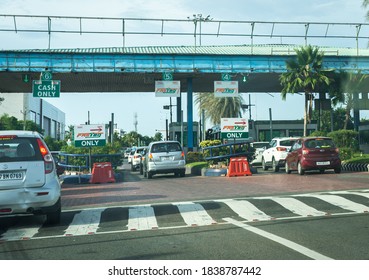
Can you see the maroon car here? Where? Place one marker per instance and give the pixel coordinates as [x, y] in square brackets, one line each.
[313, 153]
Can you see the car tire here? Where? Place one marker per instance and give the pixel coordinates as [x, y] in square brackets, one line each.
[287, 168]
[182, 173]
[275, 166]
[141, 169]
[53, 218]
[263, 165]
[337, 170]
[300, 171]
[149, 175]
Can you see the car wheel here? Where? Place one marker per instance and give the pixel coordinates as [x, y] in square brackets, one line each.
[337, 170]
[287, 168]
[275, 165]
[182, 173]
[149, 175]
[53, 218]
[141, 170]
[299, 169]
[263, 164]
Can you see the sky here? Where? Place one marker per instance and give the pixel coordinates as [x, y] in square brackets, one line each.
[151, 116]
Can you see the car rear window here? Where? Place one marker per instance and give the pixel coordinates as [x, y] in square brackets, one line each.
[287, 143]
[18, 149]
[319, 143]
[166, 148]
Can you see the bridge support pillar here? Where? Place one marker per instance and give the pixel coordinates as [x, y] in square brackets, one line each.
[189, 115]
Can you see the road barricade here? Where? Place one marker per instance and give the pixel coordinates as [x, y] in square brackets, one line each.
[102, 172]
[238, 166]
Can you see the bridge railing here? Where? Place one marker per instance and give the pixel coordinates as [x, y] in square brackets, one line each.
[81, 162]
[226, 151]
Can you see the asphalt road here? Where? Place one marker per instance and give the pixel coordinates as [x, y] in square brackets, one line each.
[261, 217]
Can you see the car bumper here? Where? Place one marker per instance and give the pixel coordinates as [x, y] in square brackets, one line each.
[29, 200]
[311, 164]
[165, 168]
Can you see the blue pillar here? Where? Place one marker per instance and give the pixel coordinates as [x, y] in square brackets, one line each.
[189, 115]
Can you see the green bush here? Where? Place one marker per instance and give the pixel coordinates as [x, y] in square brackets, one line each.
[346, 153]
[194, 157]
[345, 139]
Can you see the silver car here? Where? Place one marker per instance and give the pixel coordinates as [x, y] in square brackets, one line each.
[164, 157]
[28, 180]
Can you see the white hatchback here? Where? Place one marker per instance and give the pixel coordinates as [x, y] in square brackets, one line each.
[29, 183]
[275, 154]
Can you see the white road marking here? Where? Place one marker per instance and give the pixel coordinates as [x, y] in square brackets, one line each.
[19, 233]
[194, 214]
[85, 222]
[285, 242]
[364, 194]
[341, 202]
[246, 210]
[298, 207]
[142, 218]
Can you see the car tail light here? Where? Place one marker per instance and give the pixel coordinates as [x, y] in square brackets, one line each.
[305, 151]
[47, 157]
[150, 157]
[182, 154]
[281, 149]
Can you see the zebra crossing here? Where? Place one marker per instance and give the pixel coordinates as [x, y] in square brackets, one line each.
[186, 214]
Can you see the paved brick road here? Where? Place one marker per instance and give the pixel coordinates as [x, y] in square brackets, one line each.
[134, 189]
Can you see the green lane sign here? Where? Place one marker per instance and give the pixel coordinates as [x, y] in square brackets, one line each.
[234, 128]
[89, 135]
[46, 88]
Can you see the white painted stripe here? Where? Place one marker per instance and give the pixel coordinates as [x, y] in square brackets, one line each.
[194, 214]
[364, 194]
[298, 207]
[85, 222]
[19, 233]
[142, 218]
[246, 210]
[342, 202]
[285, 242]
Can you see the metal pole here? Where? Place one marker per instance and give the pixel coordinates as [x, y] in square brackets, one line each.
[270, 123]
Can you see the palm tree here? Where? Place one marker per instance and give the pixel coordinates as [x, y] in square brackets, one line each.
[349, 86]
[304, 74]
[219, 107]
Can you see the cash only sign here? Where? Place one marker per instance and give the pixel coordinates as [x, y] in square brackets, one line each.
[89, 135]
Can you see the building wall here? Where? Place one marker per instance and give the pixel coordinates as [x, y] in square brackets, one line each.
[38, 110]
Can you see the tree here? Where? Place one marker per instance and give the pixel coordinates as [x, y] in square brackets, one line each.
[304, 74]
[219, 107]
[348, 86]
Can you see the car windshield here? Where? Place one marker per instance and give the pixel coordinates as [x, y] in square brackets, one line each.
[166, 148]
[18, 149]
[259, 145]
[319, 143]
[287, 143]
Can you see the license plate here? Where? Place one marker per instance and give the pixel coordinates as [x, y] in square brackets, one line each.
[165, 158]
[11, 176]
[319, 163]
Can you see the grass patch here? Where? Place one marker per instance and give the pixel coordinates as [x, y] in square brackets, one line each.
[200, 164]
[358, 159]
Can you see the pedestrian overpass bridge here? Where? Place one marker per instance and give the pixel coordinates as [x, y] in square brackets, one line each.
[135, 69]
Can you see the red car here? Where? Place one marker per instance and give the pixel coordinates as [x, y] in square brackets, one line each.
[313, 153]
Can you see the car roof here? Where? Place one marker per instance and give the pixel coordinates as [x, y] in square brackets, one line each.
[22, 133]
[166, 141]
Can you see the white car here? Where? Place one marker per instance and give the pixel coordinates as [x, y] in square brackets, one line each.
[258, 153]
[275, 155]
[136, 158]
[29, 183]
[164, 157]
